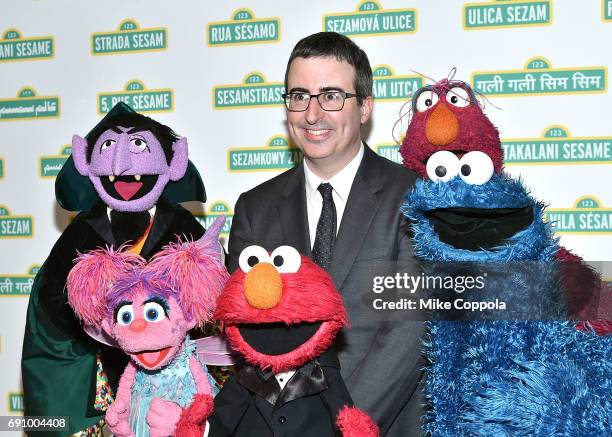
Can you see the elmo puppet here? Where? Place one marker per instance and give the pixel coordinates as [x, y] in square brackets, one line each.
[281, 312]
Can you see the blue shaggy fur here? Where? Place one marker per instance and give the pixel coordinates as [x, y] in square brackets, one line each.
[508, 378]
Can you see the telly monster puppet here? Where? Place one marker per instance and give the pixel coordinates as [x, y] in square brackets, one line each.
[518, 377]
[129, 159]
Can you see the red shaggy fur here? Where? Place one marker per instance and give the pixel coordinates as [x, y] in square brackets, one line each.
[193, 420]
[476, 133]
[309, 295]
[353, 422]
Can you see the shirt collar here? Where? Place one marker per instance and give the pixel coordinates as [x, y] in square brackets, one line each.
[151, 212]
[341, 181]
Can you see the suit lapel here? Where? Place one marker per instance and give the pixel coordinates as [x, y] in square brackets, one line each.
[362, 204]
[100, 223]
[292, 212]
[161, 223]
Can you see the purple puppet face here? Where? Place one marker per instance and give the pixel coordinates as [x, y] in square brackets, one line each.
[128, 166]
[149, 326]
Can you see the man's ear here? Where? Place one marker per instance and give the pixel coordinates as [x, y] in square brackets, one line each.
[79, 154]
[178, 165]
[366, 109]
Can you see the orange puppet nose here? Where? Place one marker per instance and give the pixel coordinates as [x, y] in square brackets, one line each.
[442, 126]
[263, 286]
[138, 325]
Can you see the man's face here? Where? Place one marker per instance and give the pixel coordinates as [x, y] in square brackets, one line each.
[328, 139]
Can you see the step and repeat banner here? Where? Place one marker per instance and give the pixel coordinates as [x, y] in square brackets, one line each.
[214, 71]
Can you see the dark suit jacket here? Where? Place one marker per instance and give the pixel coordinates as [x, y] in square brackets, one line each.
[59, 360]
[251, 403]
[380, 361]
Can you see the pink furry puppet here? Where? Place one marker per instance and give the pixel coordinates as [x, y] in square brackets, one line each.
[148, 308]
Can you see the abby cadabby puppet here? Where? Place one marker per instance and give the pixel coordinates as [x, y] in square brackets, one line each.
[537, 376]
[148, 309]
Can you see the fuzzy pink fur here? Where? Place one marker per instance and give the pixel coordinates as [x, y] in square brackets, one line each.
[309, 295]
[91, 279]
[353, 422]
[476, 133]
[195, 269]
[118, 413]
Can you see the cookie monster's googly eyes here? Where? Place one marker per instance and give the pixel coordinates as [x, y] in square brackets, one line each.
[475, 168]
[125, 315]
[458, 97]
[251, 256]
[286, 259]
[442, 166]
[426, 100]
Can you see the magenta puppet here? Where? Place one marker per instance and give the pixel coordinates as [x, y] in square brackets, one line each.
[148, 308]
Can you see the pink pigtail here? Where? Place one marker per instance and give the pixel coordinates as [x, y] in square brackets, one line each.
[91, 279]
[196, 270]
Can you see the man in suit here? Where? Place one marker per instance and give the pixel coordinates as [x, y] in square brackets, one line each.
[343, 186]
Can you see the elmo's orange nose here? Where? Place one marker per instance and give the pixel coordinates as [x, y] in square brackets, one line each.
[442, 126]
[263, 286]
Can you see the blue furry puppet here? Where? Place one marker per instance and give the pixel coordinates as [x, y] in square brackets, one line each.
[511, 377]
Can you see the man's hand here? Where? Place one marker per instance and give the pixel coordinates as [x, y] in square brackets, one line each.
[162, 417]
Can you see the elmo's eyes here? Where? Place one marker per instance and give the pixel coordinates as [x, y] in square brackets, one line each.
[125, 315]
[475, 168]
[251, 256]
[442, 166]
[458, 96]
[286, 259]
[426, 100]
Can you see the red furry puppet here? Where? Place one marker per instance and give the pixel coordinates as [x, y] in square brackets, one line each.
[281, 312]
[148, 310]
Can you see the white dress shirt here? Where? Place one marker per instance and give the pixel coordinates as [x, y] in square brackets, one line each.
[341, 183]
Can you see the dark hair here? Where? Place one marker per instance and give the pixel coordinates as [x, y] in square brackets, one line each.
[163, 133]
[332, 44]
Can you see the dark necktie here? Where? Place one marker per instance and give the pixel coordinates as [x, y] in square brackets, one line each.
[326, 229]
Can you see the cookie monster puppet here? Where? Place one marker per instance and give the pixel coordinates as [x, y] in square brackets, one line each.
[281, 312]
[510, 377]
[125, 177]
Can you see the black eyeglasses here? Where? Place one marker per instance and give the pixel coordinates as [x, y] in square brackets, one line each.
[328, 100]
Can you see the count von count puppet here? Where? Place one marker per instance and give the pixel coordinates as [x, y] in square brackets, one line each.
[505, 377]
[124, 177]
